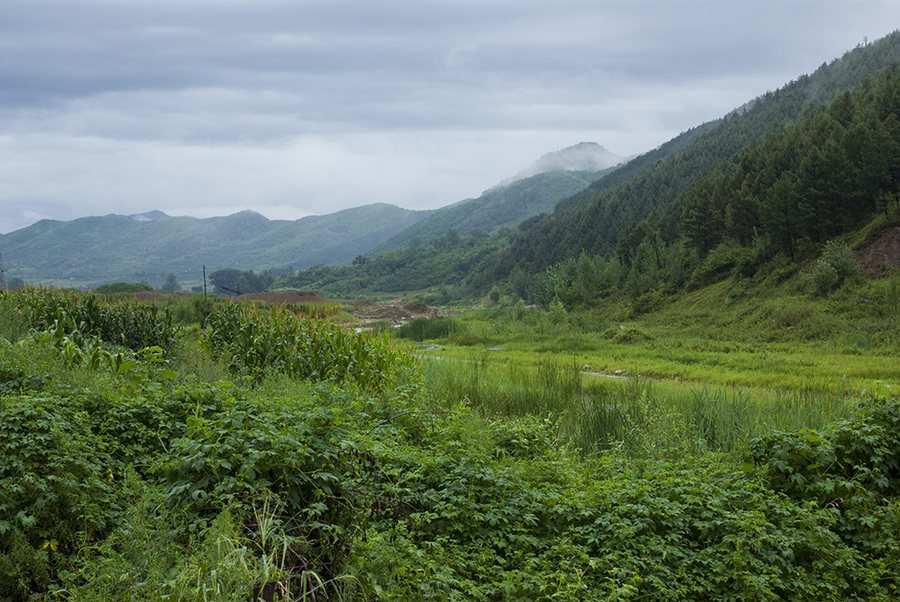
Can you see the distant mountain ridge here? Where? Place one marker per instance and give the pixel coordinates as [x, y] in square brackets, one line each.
[147, 247]
[627, 221]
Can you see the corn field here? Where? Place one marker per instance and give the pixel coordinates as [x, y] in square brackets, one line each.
[129, 324]
[254, 339]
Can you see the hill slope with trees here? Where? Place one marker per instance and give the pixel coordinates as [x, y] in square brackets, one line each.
[652, 224]
[502, 206]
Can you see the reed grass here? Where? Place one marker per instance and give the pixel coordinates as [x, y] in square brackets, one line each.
[637, 417]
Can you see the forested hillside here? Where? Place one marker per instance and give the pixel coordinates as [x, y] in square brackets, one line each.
[598, 218]
[769, 210]
[501, 206]
[777, 178]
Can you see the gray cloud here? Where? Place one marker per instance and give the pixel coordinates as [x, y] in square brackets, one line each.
[293, 107]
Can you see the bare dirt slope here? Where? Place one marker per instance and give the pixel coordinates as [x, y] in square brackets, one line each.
[885, 248]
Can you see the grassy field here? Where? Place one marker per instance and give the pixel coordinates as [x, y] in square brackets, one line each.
[712, 370]
[269, 451]
[719, 336]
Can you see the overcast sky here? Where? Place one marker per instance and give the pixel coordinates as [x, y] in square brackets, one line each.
[300, 107]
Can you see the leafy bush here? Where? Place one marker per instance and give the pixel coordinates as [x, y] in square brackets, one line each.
[557, 312]
[462, 524]
[288, 454]
[725, 259]
[648, 302]
[852, 469]
[56, 489]
[14, 378]
[836, 264]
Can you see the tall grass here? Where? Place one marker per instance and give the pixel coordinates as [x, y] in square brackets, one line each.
[638, 417]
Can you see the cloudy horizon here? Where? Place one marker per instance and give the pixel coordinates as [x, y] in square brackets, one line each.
[307, 107]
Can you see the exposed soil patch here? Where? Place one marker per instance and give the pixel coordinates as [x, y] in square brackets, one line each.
[886, 247]
[397, 311]
[155, 295]
[290, 297]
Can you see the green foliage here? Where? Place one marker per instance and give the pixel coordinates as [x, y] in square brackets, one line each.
[192, 310]
[290, 454]
[836, 264]
[497, 479]
[171, 284]
[56, 489]
[852, 469]
[15, 378]
[726, 259]
[473, 525]
[229, 281]
[467, 265]
[578, 282]
[557, 312]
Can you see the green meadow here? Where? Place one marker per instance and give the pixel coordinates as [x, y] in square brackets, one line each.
[205, 450]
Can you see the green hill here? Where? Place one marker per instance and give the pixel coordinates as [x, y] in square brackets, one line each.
[505, 205]
[534, 190]
[94, 250]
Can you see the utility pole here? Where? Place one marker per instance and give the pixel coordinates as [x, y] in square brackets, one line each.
[2, 274]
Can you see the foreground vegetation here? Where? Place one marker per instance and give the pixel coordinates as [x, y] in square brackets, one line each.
[185, 469]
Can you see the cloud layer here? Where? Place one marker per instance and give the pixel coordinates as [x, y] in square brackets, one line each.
[301, 107]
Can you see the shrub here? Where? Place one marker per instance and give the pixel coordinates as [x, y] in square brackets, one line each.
[852, 469]
[557, 312]
[288, 454]
[57, 489]
[122, 287]
[835, 265]
[725, 259]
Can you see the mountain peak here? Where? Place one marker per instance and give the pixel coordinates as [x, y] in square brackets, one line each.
[149, 216]
[584, 156]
